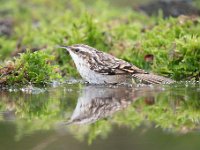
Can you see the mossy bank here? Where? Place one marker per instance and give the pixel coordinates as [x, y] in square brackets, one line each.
[41, 25]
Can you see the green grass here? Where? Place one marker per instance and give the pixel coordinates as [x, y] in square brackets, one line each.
[34, 68]
[127, 34]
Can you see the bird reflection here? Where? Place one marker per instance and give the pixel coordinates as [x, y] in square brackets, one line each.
[96, 102]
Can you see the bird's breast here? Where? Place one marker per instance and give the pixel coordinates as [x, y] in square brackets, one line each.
[94, 77]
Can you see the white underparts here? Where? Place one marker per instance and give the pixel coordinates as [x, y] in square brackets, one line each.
[92, 76]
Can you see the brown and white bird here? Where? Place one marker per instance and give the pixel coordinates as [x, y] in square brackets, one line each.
[96, 101]
[97, 67]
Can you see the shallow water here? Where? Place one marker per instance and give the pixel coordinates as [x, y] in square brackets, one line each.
[77, 116]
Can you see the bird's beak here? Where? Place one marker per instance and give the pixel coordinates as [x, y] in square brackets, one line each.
[68, 48]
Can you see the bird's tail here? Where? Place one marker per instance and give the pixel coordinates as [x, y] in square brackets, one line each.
[153, 79]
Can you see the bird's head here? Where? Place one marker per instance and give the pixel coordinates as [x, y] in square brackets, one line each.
[80, 50]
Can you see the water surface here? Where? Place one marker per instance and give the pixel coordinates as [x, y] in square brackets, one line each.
[77, 116]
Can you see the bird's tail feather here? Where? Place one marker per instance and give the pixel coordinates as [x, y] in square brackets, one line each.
[153, 79]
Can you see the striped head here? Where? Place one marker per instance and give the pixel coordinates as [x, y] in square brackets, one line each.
[80, 51]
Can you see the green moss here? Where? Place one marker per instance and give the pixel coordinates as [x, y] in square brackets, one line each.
[122, 32]
[175, 48]
[33, 68]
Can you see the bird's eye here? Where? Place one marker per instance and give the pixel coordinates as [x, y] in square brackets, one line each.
[76, 50]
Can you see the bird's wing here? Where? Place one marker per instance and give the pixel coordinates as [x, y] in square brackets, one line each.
[107, 64]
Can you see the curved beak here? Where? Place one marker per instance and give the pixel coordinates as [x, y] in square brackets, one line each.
[65, 47]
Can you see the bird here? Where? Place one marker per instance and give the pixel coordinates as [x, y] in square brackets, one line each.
[96, 102]
[98, 67]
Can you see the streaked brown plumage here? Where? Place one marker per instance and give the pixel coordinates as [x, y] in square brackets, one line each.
[99, 67]
[96, 102]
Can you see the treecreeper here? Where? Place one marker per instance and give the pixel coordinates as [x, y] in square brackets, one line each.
[97, 67]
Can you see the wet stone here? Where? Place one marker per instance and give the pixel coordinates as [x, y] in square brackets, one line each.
[6, 26]
[170, 8]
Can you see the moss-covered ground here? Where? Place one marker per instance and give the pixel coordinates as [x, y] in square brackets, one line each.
[41, 25]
